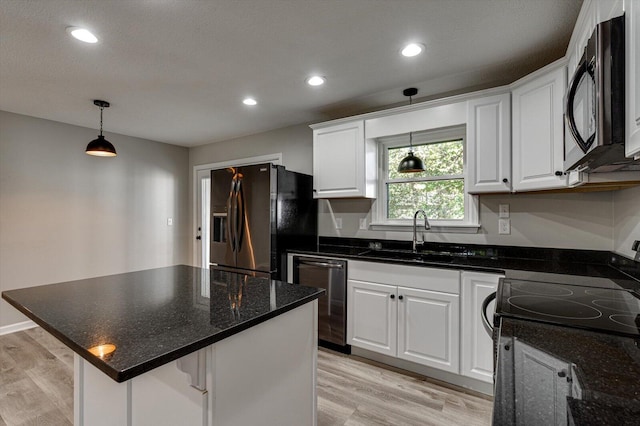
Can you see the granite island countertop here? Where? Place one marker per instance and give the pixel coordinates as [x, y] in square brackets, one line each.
[155, 316]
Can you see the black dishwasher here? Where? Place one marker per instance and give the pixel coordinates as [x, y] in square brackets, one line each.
[331, 275]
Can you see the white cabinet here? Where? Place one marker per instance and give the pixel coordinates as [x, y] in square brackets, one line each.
[476, 350]
[344, 163]
[632, 41]
[538, 129]
[372, 316]
[429, 328]
[489, 144]
[412, 313]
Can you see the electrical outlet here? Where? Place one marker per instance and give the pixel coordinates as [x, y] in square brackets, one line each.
[338, 223]
[504, 211]
[504, 226]
[363, 223]
[169, 221]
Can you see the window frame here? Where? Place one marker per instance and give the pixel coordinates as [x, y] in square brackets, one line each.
[469, 224]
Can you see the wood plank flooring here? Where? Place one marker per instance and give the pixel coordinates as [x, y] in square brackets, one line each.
[36, 388]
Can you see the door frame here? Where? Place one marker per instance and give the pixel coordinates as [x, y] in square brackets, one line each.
[197, 173]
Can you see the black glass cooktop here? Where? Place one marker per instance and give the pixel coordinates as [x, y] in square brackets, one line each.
[607, 308]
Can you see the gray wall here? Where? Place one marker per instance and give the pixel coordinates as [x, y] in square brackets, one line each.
[65, 215]
[596, 221]
[626, 208]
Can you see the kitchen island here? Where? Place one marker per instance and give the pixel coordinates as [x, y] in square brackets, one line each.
[183, 345]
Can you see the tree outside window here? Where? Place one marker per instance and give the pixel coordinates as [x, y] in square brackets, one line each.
[439, 190]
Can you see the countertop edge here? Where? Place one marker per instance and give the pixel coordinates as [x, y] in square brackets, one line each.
[139, 369]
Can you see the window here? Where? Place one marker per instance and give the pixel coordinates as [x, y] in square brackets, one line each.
[439, 190]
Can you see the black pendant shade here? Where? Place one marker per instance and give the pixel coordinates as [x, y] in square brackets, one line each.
[411, 163]
[101, 147]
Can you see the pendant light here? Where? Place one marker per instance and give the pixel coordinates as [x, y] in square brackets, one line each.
[101, 147]
[411, 163]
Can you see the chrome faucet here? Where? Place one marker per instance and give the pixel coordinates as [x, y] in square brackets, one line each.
[427, 226]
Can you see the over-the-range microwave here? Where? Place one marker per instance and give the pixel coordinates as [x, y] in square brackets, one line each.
[595, 104]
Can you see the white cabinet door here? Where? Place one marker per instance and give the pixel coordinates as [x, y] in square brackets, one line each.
[489, 144]
[476, 351]
[429, 328]
[538, 131]
[542, 385]
[372, 316]
[340, 162]
[632, 23]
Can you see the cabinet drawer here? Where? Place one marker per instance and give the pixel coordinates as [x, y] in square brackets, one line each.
[443, 280]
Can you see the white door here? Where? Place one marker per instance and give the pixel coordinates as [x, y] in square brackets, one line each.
[372, 316]
[538, 132]
[202, 237]
[429, 328]
[339, 161]
[489, 144]
[477, 343]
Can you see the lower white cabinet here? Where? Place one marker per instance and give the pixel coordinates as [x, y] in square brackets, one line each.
[429, 328]
[420, 323]
[372, 316]
[476, 341]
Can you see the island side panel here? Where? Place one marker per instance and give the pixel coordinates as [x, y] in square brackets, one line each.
[267, 374]
[97, 399]
[263, 375]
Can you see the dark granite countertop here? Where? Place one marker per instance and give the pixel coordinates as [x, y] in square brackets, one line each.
[525, 263]
[605, 369]
[155, 316]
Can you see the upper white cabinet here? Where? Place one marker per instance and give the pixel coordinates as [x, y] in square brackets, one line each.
[476, 349]
[538, 129]
[632, 41]
[344, 164]
[489, 144]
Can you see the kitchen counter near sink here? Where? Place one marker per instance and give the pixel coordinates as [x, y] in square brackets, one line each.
[231, 333]
[527, 263]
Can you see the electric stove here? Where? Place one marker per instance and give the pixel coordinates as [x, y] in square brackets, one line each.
[600, 306]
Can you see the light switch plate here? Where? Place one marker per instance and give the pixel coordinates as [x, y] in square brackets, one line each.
[338, 223]
[363, 223]
[503, 210]
[504, 226]
[169, 221]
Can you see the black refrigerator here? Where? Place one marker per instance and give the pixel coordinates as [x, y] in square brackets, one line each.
[259, 212]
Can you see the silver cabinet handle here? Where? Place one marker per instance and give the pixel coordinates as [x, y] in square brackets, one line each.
[320, 264]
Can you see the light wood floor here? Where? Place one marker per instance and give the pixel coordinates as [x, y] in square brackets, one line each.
[36, 388]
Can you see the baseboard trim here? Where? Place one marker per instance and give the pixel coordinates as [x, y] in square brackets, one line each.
[19, 326]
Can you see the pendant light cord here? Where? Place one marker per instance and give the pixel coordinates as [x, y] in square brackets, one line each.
[410, 133]
[101, 109]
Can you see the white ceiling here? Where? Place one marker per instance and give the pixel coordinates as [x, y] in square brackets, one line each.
[176, 71]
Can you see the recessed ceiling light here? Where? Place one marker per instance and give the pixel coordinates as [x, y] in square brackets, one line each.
[250, 101]
[412, 49]
[316, 80]
[82, 34]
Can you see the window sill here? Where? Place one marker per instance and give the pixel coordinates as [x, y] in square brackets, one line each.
[466, 228]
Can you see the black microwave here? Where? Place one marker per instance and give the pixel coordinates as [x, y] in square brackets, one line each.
[595, 104]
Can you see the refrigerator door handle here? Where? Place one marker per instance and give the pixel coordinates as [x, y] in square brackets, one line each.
[231, 208]
[240, 215]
